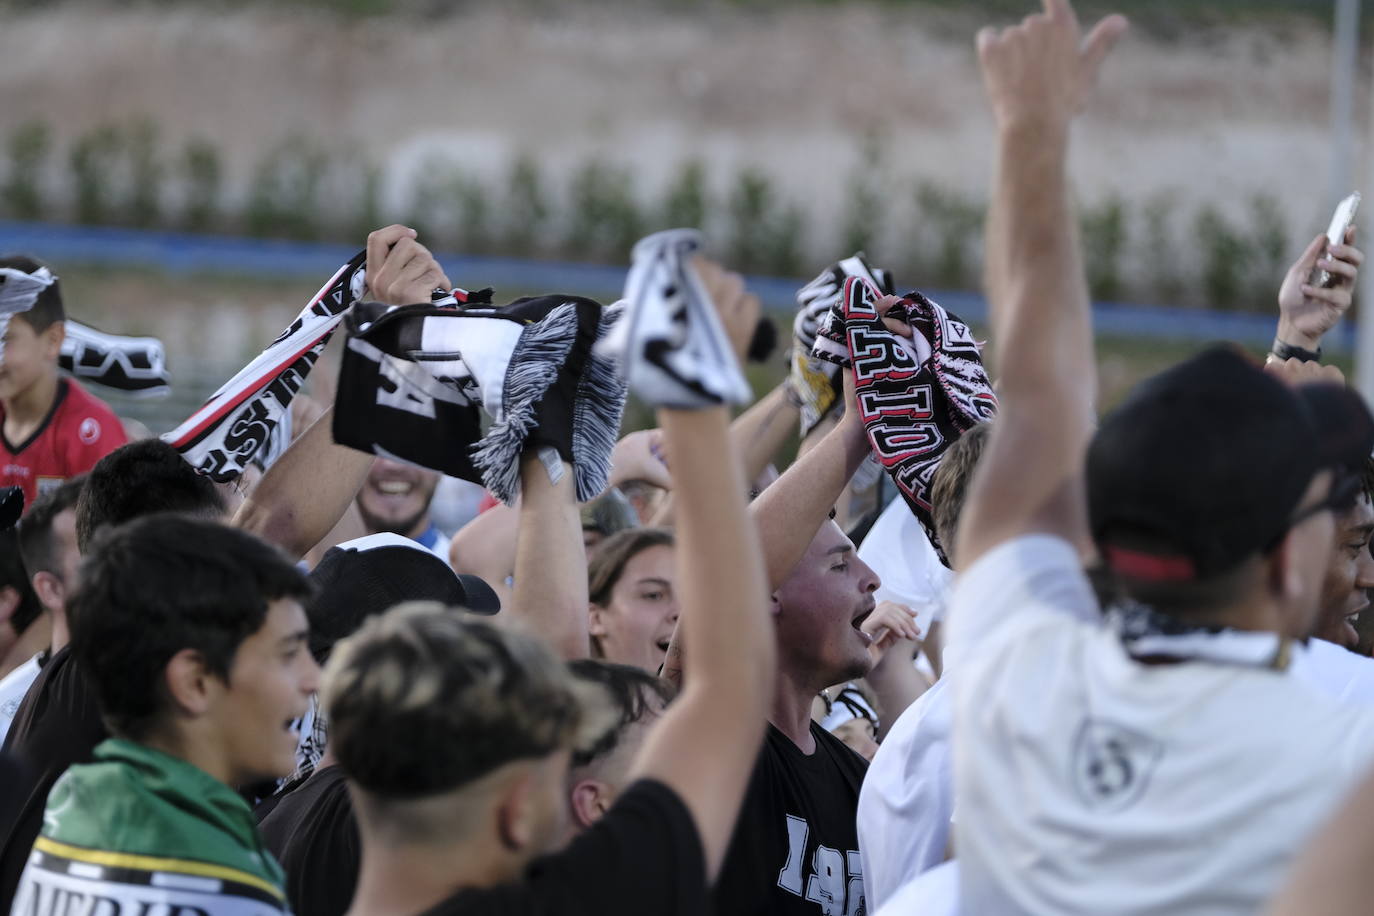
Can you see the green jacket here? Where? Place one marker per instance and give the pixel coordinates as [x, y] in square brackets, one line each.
[139, 831]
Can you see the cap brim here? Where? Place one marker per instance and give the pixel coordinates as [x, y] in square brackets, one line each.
[478, 596]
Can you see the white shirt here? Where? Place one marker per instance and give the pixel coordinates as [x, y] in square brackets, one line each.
[933, 893]
[1089, 783]
[908, 797]
[900, 553]
[1335, 671]
[12, 690]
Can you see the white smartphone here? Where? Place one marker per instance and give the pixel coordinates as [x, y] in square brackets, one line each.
[1341, 220]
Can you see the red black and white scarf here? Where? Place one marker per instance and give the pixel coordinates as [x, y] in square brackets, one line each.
[915, 396]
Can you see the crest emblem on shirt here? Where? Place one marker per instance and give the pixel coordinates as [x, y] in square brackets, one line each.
[1112, 764]
[89, 430]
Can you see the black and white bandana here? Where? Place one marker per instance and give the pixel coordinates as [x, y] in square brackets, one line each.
[915, 396]
[135, 365]
[1147, 634]
[18, 292]
[415, 380]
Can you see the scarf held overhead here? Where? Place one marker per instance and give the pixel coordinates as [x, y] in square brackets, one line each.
[417, 379]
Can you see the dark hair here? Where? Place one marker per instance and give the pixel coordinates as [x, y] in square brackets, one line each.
[35, 529]
[607, 563]
[949, 486]
[15, 576]
[631, 691]
[161, 584]
[139, 479]
[47, 309]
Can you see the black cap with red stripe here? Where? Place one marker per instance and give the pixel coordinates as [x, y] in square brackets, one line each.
[1204, 465]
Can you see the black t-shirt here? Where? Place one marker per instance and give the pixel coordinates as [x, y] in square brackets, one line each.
[795, 851]
[57, 725]
[313, 834]
[643, 857]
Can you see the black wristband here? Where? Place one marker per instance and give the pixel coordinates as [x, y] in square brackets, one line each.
[1284, 351]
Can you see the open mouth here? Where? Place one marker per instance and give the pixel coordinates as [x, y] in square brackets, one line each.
[663, 643]
[395, 487]
[857, 624]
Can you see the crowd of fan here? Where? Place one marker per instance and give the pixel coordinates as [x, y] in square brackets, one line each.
[1075, 665]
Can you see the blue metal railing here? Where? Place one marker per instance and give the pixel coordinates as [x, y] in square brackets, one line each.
[186, 253]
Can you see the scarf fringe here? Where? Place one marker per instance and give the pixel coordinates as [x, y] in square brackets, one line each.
[601, 395]
[534, 366]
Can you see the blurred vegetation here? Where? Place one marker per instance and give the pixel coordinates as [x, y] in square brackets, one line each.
[1162, 249]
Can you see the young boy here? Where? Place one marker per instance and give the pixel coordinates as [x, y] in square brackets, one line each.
[194, 638]
[50, 427]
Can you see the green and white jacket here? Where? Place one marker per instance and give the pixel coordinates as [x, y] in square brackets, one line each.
[142, 833]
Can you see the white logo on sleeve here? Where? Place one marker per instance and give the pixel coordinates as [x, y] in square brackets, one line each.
[89, 430]
[1112, 764]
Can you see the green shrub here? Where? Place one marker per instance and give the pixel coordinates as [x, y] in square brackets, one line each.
[144, 205]
[604, 220]
[28, 147]
[202, 175]
[94, 159]
[1227, 258]
[1160, 254]
[686, 203]
[284, 199]
[951, 224]
[526, 213]
[1270, 242]
[864, 202]
[1104, 242]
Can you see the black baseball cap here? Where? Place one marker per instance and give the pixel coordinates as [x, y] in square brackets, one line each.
[1204, 465]
[370, 575]
[11, 506]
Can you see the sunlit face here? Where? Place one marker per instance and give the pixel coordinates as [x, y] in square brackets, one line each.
[25, 354]
[819, 609]
[395, 497]
[270, 683]
[1349, 575]
[636, 625]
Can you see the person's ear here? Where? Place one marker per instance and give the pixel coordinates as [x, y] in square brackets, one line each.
[191, 685]
[596, 623]
[591, 800]
[516, 815]
[53, 338]
[51, 592]
[774, 605]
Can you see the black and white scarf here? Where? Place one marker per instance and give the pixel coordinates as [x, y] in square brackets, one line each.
[413, 379]
[915, 396]
[815, 379]
[229, 429]
[135, 365]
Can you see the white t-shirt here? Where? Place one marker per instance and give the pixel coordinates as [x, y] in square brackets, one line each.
[900, 553]
[12, 690]
[932, 893]
[1335, 671]
[1089, 783]
[908, 796]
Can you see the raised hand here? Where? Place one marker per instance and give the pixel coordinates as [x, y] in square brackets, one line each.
[1307, 311]
[738, 308]
[401, 271]
[889, 623]
[1043, 70]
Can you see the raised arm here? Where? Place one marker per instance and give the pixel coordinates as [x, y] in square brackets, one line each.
[550, 594]
[705, 745]
[1038, 76]
[1307, 311]
[789, 513]
[305, 493]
